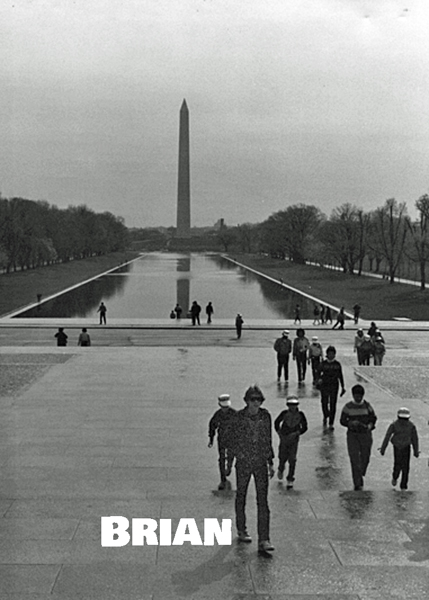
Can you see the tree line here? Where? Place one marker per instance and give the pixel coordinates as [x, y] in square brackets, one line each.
[35, 233]
[385, 240]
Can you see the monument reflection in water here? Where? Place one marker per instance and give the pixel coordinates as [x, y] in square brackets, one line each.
[150, 287]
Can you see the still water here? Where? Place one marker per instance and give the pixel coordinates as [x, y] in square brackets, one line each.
[149, 288]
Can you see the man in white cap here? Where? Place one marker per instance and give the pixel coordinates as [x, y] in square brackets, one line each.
[283, 347]
[290, 425]
[403, 434]
[315, 353]
[221, 422]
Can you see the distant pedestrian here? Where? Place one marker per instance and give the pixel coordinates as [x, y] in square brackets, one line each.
[330, 378]
[315, 355]
[359, 418]
[178, 310]
[253, 451]
[403, 434]
[172, 314]
[340, 319]
[39, 297]
[316, 314]
[209, 312]
[373, 328]
[297, 314]
[283, 347]
[379, 350]
[328, 317]
[221, 423]
[366, 350]
[84, 339]
[195, 313]
[290, 425]
[102, 310]
[299, 353]
[356, 313]
[322, 314]
[61, 337]
[359, 339]
[238, 325]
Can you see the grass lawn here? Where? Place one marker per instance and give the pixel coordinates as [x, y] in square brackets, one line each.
[21, 288]
[378, 298]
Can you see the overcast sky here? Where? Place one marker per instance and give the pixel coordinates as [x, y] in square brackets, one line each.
[315, 101]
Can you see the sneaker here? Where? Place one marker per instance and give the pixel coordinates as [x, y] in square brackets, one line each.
[404, 487]
[289, 485]
[394, 481]
[265, 546]
[221, 486]
[243, 536]
[331, 428]
[358, 488]
[280, 474]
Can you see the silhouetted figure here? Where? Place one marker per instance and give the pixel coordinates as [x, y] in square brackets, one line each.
[356, 313]
[340, 319]
[61, 337]
[39, 297]
[328, 315]
[322, 314]
[209, 312]
[359, 340]
[178, 310]
[283, 347]
[84, 339]
[297, 314]
[102, 310]
[195, 313]
[238, 325]
[316, 314]
[299, 353]
[330, 378]
[172, 314]
[221, 422]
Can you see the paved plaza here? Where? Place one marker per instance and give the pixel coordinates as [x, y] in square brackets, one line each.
[121, 429]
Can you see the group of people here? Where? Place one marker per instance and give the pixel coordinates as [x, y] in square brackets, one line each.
[194, 312]
[84, 338]
[370, 344]
[245, 436]
[322, 315]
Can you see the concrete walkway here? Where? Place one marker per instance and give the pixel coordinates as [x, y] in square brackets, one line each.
[121, 429]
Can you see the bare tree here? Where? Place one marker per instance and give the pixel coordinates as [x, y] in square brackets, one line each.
[419, 230]
[389, 231]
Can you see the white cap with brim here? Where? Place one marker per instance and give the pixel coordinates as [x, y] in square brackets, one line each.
[285, 332]
[404, 413]
[314, 338]
[292, 400]
[223, 400]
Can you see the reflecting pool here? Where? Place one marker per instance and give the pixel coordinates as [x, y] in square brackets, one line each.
[150, 287]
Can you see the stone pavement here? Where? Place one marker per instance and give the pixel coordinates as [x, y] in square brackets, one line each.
[121, 429]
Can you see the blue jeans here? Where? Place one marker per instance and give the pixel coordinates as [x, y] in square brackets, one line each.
[260, 473]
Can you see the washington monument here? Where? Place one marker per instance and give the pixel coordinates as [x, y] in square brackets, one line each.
[183, 187]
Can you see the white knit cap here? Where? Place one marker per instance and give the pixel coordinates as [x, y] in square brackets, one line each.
[223, 400]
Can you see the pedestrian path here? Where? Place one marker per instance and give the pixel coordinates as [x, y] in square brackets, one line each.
[111, 430]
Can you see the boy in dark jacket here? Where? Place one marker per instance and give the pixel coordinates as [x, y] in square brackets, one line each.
[359, 418]
[330, 378]
[403, 434]
[283, 347]
[290, 425]
[221, 423]
[252, 447]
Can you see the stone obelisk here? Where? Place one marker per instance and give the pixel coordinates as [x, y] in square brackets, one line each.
[183, 187]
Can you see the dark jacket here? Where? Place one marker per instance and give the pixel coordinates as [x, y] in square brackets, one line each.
[222, 422]
[290, 425]
[251, 438]
[283, 346]
[330, 374]
[401, 433]
[356, 416]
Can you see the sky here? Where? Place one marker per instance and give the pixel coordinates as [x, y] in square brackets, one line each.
[314, 101]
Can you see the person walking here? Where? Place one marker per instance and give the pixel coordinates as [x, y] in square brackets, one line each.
[379, 350]
[253, 451]
[102, 310]
[209, 312]
[297, 314]
[315, 353]
[283, 347]
[322, 314]
[403, 434]
[62, 337]
[84, 339]
[359, 418]
[299, 353]
[366, 350]
[328, 317]
[357, 346]
[195, 313]
[340, 319]
[238, 325]
[221, 422]
[289, 425]
[330, 377]
[316, 314]
[356, 313]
